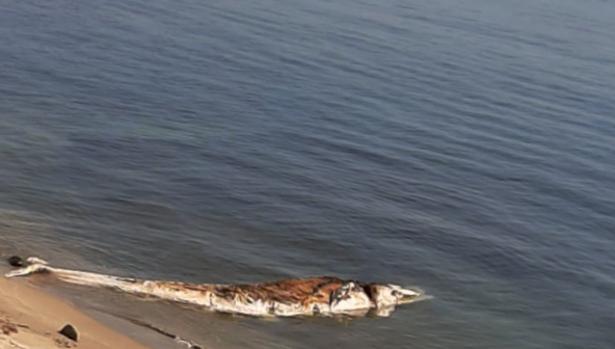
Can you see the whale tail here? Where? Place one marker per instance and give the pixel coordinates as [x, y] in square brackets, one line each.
[34, 265]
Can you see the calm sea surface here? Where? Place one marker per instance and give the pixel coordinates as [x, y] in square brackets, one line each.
[465, 147]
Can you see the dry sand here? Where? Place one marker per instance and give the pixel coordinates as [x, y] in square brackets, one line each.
[31, 319]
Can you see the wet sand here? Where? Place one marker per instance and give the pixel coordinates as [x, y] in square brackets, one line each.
[31, 318]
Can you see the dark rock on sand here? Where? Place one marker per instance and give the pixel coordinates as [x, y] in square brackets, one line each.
[69, 332]
[16, 261]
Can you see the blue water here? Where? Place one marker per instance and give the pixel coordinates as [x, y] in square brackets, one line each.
[465, 147]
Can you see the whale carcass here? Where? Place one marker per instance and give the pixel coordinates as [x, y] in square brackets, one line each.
[316, 296]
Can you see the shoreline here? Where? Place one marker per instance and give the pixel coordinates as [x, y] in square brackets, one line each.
[31, 318]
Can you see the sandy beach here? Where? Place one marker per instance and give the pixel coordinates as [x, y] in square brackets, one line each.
[30, 318]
